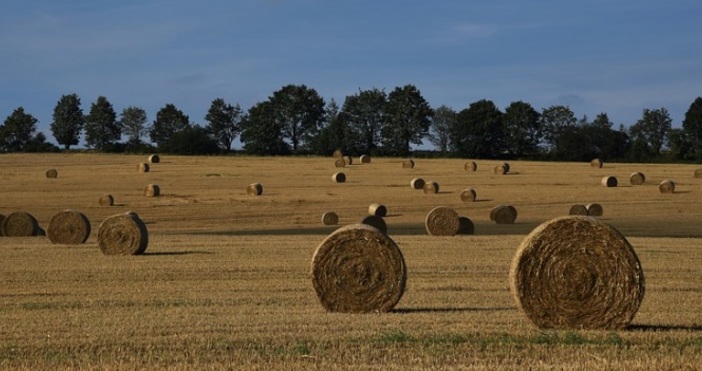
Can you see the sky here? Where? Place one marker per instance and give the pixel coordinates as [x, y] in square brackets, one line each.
[613, 56]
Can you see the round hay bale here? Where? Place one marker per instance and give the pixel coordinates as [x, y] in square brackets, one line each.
[69, 227]
[408, 164]
[339, 177]
[376, 222]
[254, 189]
[152, 190]
[340, 162]
[337, 154]
[106, 200]
[52, 174]
[348, 160]
[637, 178]
[470, 166]
[465, 226]
[503, 214]
[417, 183]
[594, 209]
[431, 188]
[514, 212]
[143, 167]
[609, 181]
[578, 210]
[377, 209]
[442, 221]
[596, 163]
[20, 224]
[154, 159]
[358, 269]
[500, 169]
[698, 173]
[506, 166]
[330, 218]
[2, 219]
[123, 234]
[468, 195]
[667, 186]
[577, 272]
[132, 213]
[365, 159]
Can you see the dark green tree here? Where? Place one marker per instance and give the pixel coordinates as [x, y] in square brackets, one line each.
[692, 125]
[68, 120]
[300, 112]
[523, 131]
[478, 131]
[38, 143]
[332, 134]
[261, 134]
[191, 140]
[101, 126]
[224, 122]
[408, 117]
[680, 147]
[651, 129]
[554, 120]
[364, 116]
[440, 130]
[134, 124]
[17, 131]
[169, 120]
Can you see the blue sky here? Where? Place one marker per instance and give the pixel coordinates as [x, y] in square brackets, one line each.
[617, 57]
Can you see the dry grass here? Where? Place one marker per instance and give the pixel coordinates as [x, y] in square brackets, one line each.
[225, 281]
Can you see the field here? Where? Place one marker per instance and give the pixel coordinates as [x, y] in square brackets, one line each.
[225, 282]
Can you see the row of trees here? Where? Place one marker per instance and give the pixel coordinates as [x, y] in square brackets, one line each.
[296, 119]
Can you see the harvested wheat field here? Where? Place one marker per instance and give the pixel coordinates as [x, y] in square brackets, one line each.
[226, 280]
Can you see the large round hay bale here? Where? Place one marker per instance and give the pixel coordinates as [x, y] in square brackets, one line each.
[143, 167]
[470, 166]
[337, 154]
[609, 181]
[408, 164]
[152, 190]
[577, 272]
[637, 178]
[667, 186]
[20, 224]
[365, 159]
[339, 177]
[254, 189]
[431, 188]
[69, 227]
[377, 209]
[503, 214]
[596, 163]
[52, 174]
[465, 226]
[330, 218]
[154, 159]
[594, 209]
[468, 195]
[348, 160]
[506, 166]
[442, 221]
[358, 269]
[698, 173]
[500, 169]
[123, 234]
[417, 183]
[340, 162]
[106, 200]
[376, 222]
[578, 210]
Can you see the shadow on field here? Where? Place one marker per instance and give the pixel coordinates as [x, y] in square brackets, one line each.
[449, 310]
[663, 328]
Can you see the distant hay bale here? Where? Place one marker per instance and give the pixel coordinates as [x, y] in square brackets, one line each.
[637, 178]
[365, 159]
[20, 224]
[358, 269]
[417, 183]
[340, 162]
[503, 214]
[408, 164]
[376, 222]
[348, 160]
[609, 181]
[470, 166]
[468, 195]
[152, 190]
[69, 227]
[698, 173]
[578, 210]
[596, 163]
[123, 234]
[52, 174]
[500, 169]
[377, 209]
[2, 219]
[254, 189]
[431, 187]
[337, 154]
[106, 200]
[576, 273]
[339, 177]
[667, 186]
[594, 209]
[442, 221]
[465, 226]
[143, 167]
[506, 166]
[154, 159]
[330, 218]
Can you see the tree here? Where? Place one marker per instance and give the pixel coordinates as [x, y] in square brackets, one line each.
[299, 111]
[363, 115]
[680, 147]
[478, 130]
[439, 131]
[692, 125]
[523, 130]
[261, 134]
[408, 119]
[169, 120]
[224, 122]
[133, 121]
[554, 120]
[68, 120]
[191, 140]
[332, 134]
[17, 131]
[651, 129]
[101, 126]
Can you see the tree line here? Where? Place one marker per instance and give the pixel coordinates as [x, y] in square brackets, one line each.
[296, 120]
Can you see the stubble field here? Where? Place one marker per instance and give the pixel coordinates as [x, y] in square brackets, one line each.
[225, 281]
